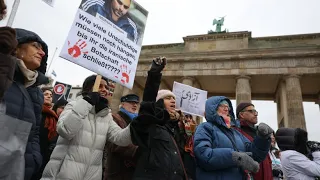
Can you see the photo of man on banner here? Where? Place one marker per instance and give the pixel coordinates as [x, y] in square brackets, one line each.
[125, 14]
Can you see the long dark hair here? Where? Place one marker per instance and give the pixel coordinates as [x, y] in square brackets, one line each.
[88, 84]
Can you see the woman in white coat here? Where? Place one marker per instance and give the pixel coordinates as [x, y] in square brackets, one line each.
[83, 127]
[295, 150]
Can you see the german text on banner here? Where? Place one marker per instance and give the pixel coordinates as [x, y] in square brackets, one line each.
[106, 38]
[189, 99]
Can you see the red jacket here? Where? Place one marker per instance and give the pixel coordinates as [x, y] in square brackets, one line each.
[265, 172]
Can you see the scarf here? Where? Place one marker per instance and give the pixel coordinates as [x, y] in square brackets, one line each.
[131, 115]
[30, 76]
[50, 121]
[185, 129]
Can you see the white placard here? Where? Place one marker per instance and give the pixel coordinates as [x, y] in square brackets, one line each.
[105, 46]
[189, 99]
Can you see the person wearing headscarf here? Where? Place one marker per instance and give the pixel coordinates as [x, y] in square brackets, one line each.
[221, 151]
[84, 126]
[24, 99]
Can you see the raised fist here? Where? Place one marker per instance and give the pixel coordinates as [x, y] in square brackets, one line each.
[158, 64]
[8, 41]
[3, 9]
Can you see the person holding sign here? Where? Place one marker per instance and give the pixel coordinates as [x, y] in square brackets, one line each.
[158, 131]
[84, 126]
[116, 11]
[221, 151]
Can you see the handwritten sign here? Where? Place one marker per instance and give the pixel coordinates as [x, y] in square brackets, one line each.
[107, 46]
[189, 99]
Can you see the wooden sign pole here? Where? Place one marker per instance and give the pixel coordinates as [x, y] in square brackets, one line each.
[97, 83]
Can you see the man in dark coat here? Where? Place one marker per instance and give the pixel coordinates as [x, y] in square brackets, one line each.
[121, 161]
[248, 117]
[24, 98]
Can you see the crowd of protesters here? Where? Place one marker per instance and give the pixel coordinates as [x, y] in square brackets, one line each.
[148, 138]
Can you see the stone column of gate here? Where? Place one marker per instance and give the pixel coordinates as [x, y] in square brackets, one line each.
[117, 94]
[294, 102]
[243, 89]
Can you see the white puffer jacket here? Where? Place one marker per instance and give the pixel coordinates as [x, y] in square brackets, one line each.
[82, 136]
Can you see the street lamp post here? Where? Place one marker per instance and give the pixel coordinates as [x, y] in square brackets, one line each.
[13, 12]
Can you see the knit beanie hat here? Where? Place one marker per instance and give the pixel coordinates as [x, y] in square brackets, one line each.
[241, 107]
[164, 93]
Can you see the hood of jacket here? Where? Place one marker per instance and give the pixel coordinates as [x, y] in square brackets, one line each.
[211, 107]
[25, 36]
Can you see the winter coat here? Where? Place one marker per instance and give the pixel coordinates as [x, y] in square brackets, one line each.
[213, 149]
[26, 104]
[7, 68]
[265, 170]
[160, 157]
[121, 161]
[82, 136]
[296, 166]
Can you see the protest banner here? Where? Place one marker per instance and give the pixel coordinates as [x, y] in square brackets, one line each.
[106, 38]
[189, 99]
[60, 90]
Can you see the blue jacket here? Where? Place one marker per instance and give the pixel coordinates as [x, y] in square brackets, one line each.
[104, 9]
[213, 149]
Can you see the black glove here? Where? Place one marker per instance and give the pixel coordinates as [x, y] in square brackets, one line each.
[92, 98]
[313, 146]
[277, 173]
[3, 9]
[244, 161]
[264, 130]
[158, 64]
[8, 41]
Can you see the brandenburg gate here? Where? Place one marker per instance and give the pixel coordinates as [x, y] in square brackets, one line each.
[285, 69]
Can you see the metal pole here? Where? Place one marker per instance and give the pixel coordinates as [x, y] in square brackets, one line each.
[54, 54]
[13, 12]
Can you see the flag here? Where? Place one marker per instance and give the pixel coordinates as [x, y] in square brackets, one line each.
[54, 73]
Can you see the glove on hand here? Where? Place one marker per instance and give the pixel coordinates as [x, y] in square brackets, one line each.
[264, 130]
[92, 98]
[158, 64]
[313, 146]
[3, 9]
[244, 161]
[8, 41]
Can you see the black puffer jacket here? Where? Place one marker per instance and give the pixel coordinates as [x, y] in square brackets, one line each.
[26, 104]
[160, 156]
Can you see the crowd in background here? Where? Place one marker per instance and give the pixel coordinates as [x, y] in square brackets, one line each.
[148, 138]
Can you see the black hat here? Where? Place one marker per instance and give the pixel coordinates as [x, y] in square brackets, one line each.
[130, 98]
[241, 107]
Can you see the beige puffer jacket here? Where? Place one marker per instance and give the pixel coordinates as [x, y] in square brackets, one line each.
[82, 136]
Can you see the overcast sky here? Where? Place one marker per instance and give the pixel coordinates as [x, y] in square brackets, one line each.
[170, 20]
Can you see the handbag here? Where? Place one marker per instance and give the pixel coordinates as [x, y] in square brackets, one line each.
[13, 141]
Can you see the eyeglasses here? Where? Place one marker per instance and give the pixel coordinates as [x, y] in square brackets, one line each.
[224, 106]
[252, 111]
